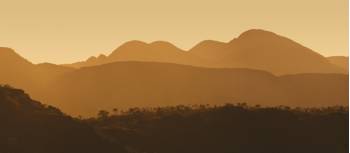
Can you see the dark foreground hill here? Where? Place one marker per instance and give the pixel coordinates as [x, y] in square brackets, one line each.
[228, 129]
[28, 126]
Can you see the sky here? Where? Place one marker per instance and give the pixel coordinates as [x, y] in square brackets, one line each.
[66, 31]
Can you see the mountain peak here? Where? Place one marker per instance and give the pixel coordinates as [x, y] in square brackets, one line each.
[8, 55]
[101, 56]
[209, 45]
[256, 33]
[132, 43]
[92, 58]
[163, 45]
[7, 51]
[214, 42]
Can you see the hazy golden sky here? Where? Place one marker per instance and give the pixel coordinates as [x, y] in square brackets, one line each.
[64, 31]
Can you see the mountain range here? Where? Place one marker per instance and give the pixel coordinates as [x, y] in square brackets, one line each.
[254, 49]
[131, 84]
[258, 67]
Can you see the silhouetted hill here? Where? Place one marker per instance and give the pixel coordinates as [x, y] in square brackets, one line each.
[159, 51]
[91, 61]
[9, 56]
[253, 49]
[263, 50]
[28, 126]
[229, 129]
[128, 84]
[340, 61]
[14, 69]
[19, 72]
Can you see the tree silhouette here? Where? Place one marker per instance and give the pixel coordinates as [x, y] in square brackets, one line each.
[103, 114]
